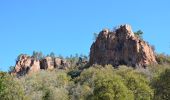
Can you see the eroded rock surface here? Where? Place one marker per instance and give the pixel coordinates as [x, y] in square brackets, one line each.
[121, 47]
[27, 65]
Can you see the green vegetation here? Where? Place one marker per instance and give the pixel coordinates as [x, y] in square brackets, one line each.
[139, 33]
[163, 59]
[162, 86]
[10, 88]
[37, 55]
[45, 85]
[94, 83]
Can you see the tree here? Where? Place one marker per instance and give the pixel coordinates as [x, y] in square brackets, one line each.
[46, 85]
[136, 82]
[52, 55]
[111, 89]
[113, 84]
[37, 55]
[107, 84]
[139, 33]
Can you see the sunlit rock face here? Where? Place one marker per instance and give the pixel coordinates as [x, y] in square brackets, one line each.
[28, 65]
[121, 47]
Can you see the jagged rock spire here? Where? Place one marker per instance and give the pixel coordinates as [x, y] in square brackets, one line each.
[121, 47]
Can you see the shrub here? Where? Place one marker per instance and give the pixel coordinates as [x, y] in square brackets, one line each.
[136, 82]
[113, 84]
[47, 85]
[11, 88]
[162, 86]
[163, 59]
[111, 89]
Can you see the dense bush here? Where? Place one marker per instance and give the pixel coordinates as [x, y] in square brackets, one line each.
[47, 85]
[137, 83]
[94, 83]
[11, 88]
[113, 84]
[162, 86]
[163, 59]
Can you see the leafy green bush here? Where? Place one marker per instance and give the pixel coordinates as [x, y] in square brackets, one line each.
[162, 86]
[111, 89]
[163, 59]
[95, 83]
[136, 82]
[47, 85]
[11, 88]
[112, 84]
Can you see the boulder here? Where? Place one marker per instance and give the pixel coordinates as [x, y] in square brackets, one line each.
[121, 47]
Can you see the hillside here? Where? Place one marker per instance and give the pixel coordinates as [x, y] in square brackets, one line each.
[121, 66]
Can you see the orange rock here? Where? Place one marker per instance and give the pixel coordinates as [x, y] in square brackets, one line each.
[121, 47]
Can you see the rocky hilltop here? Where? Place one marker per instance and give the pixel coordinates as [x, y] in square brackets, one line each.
[27, 65]
[121, 47]
[118, 47]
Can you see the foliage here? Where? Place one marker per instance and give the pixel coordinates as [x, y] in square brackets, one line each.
[162, 86]
[163, 59]
[139, 33]
[47, 85]
[11, 88]
[137, 83]
[77, 61]
[111, 89]
[37, 55]
[112, 84]
[95, 83]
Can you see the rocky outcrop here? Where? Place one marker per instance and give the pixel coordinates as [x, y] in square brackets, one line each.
[121, 47]
[27, 65]
[51, 63]
[47, 63]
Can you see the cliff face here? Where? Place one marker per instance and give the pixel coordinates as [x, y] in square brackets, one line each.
[121, 47]
[28, 65]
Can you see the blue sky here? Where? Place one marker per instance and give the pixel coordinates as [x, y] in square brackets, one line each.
[66, 27]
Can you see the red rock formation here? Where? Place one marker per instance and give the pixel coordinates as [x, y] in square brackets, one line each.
[47, 63]
[28, 65]
[121, 47]
[51, 63]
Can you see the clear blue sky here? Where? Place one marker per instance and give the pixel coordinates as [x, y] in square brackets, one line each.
[66, 26]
